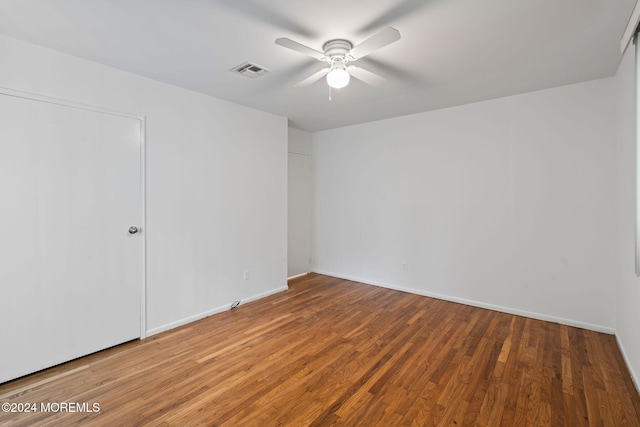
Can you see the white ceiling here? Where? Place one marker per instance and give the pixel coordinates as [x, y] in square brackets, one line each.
[451, 52]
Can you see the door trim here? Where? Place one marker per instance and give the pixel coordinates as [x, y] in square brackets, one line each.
[143, 174]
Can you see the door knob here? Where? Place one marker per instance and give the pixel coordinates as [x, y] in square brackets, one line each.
[133, 230]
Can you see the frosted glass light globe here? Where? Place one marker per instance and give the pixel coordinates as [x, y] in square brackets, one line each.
[338, 78]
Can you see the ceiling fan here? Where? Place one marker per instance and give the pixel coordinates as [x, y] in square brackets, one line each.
[337, 53]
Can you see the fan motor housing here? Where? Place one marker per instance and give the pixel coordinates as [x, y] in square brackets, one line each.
[337, 47]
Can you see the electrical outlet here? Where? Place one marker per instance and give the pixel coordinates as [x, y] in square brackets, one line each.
[405, 266]
[245, 274]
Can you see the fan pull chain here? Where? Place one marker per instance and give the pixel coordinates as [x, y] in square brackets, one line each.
[329, 93]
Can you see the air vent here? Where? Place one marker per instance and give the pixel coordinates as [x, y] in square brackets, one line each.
[250, 70]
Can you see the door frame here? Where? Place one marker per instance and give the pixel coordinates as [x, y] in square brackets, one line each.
[143, 181]
[308, 212]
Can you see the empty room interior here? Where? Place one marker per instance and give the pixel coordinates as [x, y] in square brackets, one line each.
[278, 212]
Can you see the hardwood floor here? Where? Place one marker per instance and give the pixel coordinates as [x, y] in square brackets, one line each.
[330, 351]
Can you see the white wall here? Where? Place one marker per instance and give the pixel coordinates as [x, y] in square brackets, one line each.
[508, 204]
[299, 141]
[216, 182]
[628, 285]
[299, 201]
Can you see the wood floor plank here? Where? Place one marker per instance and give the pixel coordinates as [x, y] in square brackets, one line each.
[335, 352]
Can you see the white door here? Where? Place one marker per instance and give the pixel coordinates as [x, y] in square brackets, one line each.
[70, 271]
[299, 215]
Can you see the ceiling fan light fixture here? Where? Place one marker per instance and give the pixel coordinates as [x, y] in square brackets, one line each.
[338, 78]
[338, 52]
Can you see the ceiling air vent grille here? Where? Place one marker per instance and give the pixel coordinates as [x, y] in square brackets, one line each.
[250, 70]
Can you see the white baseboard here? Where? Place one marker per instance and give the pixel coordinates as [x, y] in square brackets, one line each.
[634, 377]
[265, 294]
[211, 312]
[509, 310]
[297, 275]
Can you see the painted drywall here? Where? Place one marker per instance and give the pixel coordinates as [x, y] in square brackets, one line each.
[628, 284]
[216, 182]
[299, 141]
[299, 202]
[507, 204]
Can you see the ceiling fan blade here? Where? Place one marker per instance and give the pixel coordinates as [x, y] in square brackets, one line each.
[366, 76]
[391, 71]
[288, 43]
[313, 78]
[375, 42]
